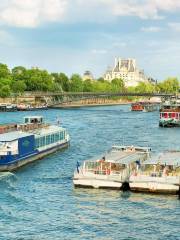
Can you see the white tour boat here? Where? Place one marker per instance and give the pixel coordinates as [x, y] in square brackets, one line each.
[111, 170]
[160, 174]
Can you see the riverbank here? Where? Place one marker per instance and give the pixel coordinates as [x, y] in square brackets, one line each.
[100, 102]
[93, 102]
[79, 105]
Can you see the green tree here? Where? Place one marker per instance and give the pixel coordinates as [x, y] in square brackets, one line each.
[18, 87]
[4, 71]
[39, 80]
[170, 85]
[101, 79]
[61, 79]
[19, 73]
[88, 86]
[5, 91]
[76, 83]
[145, 88]
[117, 85]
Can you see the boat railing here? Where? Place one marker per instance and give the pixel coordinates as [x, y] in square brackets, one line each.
[106, 172]
[132, 148]
[8, 128]
[31, 126]
[159, 175]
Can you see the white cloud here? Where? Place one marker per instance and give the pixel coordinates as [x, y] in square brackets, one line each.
[175, 26]
[31, 13]
[151, 29]
[98, 51]
[150, 8]
[145, 9]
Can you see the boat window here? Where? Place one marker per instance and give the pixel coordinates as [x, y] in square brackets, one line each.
[26, 120]
[173, 115]
[169, 115]
[165, 115]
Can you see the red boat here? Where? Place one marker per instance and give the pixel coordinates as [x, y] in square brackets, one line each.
[144, 106]
[139, 106]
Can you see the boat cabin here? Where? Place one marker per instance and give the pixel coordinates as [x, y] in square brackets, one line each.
[160, 174]
[116, 160]
[15, 145]
[165, 164]
[33, 119]
[171, 115]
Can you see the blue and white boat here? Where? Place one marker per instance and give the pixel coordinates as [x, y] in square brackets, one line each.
[21, 144]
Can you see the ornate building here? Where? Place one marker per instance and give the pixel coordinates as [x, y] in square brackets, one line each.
[127, 70]
[88, 76]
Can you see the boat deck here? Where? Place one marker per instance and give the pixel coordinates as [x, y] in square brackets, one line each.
[171, 158]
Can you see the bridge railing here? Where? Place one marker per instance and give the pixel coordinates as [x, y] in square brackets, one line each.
[100, 94]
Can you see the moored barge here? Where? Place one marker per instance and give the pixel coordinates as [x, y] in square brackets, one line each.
[8, 107]
[111, 170]
[25, 107]
[160, 174]
[144, 107]
[170, 115]
[24, 143]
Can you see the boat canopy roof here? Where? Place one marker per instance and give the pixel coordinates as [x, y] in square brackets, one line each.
[123, 154]
[166, 158]
[127, 148]
[123, 157]
[14, 135]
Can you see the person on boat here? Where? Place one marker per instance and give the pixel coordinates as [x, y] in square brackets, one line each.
[166, 171]
[58, 120]
[77, 166]
[138, 164]
[102, 159]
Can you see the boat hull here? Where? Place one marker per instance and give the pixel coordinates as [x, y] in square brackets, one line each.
[97, 183]
[29, 159]
[169, 123]
[154, 186]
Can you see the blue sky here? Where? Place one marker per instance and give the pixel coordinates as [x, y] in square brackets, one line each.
[72, 36]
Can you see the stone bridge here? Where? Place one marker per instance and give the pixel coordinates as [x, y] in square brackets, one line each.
[60, 98]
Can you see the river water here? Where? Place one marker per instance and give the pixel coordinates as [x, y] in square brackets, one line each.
[39, 201]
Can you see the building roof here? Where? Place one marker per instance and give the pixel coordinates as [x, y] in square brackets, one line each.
[11, 136]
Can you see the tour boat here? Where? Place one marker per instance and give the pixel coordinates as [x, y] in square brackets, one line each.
[111, 170]
[170, 115]
[24, 143]
[8, 107]
[160, 174]
[137, 106]
[144, 106]
[23, 107]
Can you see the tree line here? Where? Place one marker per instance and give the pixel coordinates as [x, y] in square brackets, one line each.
[19, 79]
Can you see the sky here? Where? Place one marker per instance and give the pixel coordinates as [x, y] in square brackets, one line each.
[73, 36]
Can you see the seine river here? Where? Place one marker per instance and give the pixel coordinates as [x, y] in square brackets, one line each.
[39, 201]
